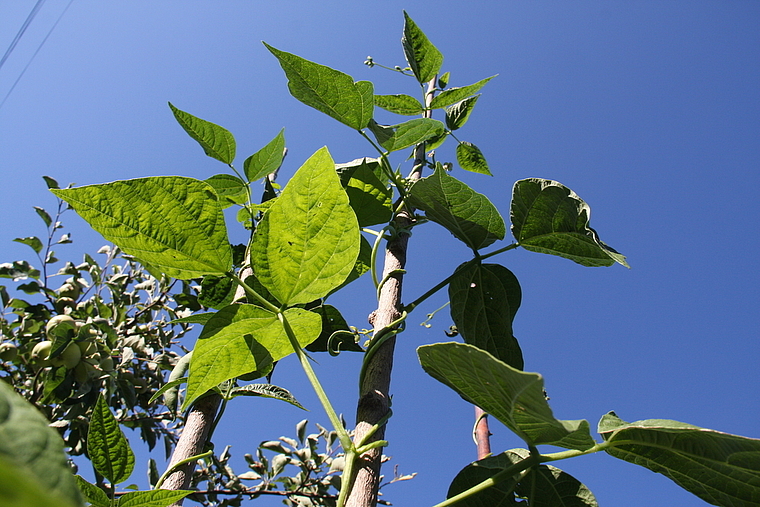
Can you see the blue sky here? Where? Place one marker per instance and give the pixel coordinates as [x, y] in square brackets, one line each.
[650, 111]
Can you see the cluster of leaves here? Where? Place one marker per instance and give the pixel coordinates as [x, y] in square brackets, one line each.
[106, 326]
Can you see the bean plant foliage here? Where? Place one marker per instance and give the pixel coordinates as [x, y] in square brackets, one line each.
[262, 301]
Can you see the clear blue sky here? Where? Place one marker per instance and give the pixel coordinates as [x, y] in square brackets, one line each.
[650, 111]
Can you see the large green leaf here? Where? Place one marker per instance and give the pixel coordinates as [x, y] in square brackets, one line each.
[327, 90]
[216, 141]
[154, 498]
[399, 104]
[458, 114]
[173, 223]
[468, 215]
[484, 299]
[409, 133]
[545, 485]
[454, 95]
[107, 446]
[369, 197]
[243, 338]
[307, 243]
[470, 158]
[514, 397]
[720, 468]
[267, 159]
[423, 57]
[33, 465]
[547, 217]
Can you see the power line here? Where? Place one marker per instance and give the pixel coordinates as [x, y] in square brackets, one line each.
[21, 31]
[36, 51]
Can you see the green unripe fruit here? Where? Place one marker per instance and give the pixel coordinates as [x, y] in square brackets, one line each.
[57, 321]
[8, 352]
[41, 354]
[62, 303]
[84, 371]
[87, 347]
[107, 364]
[69, 358]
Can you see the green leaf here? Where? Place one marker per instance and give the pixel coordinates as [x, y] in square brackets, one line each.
[468, 215]
[267, 391]
[267, 159]
[18, 270]
[484, 300]
[454, 95]
[443, 80]
[44, 215]
[107, 446]
[363, 264]
[32, 241]
[369, 197]
[93, 494]
[327, 90]
[307, 243]
[33, 466]
[458, 114]
[216, 291]
[409, 133]
[545, 485]
[399, 104]
[154, 498]
[719, 468]
[50, 182]
[216, 141]
[470, 158]
[230, 189]
[513, 397]
[175, 224]
[547, 217]
[243, 338]
[423, 57]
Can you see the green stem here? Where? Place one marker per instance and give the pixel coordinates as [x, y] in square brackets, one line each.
[343, 436]
[178, 464]
[572, 453]
[250, 292]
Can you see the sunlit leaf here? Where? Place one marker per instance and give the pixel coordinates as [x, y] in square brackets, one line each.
[33, 465]
[468, 215]
[514, 397]
[107, 447]
[423, 57]
[230, 189]
[409, 133]
[484, 299]
[720, 468]
[370, 198]
[154, 498]
[327, 90]
[173, 223]
[470, 158]
[93, 494]
[454, 95]
[458, 114]
[399, 104]
[217, 142]
[267, 391]
[547, 217]
[243, 338]
[307, 243]
[32, 241]
[267, 159]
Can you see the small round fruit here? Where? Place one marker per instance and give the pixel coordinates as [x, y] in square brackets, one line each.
[87, 347]
[41, 354]
[8, 352]
[69, 358]
[57, 321]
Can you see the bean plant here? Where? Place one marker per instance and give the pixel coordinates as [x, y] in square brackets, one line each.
[324, 229]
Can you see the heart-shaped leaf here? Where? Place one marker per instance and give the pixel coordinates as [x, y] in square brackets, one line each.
[720, 468]
[468, 215]
[267, 159]
[243, 338]
[172, 223]
[547, 217]
[409, 133]
[327, 90]
[484, 299]
[307, 243]
[514, 397]
[216, 141]
[423, 57]
[399, 104]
